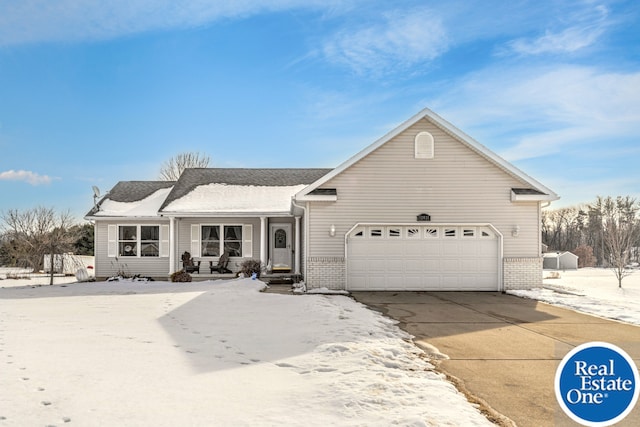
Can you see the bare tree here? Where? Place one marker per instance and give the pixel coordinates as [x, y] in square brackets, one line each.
[173, 168]
[620, 231]
[35, 232]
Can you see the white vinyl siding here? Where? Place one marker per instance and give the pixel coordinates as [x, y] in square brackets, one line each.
[108, 264]
[391, 186]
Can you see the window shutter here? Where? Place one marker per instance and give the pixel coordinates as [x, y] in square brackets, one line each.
[164, 241]
[424, 145]
[247, 244]
[195, 240]
[112, 241]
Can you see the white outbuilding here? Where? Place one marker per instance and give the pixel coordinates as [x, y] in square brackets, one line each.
[560, 261]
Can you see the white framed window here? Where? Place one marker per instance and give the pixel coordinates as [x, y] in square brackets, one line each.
[212, 240]
[137, 240]
[468, 232]
[233, 240]
[128, 240]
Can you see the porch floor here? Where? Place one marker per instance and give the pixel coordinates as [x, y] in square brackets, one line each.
[272, 279]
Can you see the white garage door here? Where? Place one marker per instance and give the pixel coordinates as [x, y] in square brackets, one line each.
[417, 257]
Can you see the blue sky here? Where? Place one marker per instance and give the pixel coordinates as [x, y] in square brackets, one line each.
[93, 92]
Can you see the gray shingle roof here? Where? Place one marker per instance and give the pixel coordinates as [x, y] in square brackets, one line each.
[132, 191]
[191, 178]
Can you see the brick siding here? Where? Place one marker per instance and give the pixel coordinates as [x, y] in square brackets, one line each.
[326, 272]
[522, 273]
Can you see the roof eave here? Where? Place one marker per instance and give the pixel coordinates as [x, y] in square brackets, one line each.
[191, 214]
[121, 217]
[534, 197]
[317, 198]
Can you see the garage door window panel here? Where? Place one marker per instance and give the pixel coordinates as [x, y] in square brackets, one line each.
[431, 233]
[393, 232]
[413, 233]
[468, 233]
[376, 233]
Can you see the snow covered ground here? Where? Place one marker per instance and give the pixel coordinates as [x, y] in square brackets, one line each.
[209, 353]
[591, 290]
[223, 353]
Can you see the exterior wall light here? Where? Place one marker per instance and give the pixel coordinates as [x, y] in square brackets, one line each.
[332, 230]
[516, 231]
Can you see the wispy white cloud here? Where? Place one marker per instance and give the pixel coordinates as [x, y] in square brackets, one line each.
[27, 176]
[399, 40]
[33, 21]
[542, 111]
[582, 30]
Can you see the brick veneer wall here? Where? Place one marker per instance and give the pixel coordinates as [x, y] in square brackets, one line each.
[326, 272]
[522, 273]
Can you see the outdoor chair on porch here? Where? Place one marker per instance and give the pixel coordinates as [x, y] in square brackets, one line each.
[221, 267]
[189, 265]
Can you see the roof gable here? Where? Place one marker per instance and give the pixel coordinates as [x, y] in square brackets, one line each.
[543, 193]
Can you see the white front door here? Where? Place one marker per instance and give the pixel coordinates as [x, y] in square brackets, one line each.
[281, 247]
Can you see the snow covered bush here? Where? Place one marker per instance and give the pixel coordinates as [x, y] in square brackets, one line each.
[181, 276]
[251, 266]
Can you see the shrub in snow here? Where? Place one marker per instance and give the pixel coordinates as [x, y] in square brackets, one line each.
[250, 267]
[181, 276]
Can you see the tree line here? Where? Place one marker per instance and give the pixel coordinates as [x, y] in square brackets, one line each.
[605, 233]
[28, 235]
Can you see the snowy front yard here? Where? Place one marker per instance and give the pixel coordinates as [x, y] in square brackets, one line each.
[223, 353]
[593, 291]
[210, 353]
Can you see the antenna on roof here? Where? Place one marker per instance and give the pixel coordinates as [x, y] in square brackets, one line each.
[96, 195]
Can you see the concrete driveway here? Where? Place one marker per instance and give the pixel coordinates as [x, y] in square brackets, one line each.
[504, 350]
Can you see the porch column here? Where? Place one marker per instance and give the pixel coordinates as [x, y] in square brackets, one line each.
[172, 245]
[296, 267]
[263, 240]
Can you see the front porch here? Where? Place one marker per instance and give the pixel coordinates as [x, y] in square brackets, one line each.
[274, 240]
[269, 278]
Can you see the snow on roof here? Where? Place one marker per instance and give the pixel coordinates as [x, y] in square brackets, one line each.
[222, 198]
[146, 207]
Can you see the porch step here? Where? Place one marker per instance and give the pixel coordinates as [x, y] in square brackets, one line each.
[280, 281]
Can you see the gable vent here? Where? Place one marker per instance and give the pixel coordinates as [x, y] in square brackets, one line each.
[424, 145]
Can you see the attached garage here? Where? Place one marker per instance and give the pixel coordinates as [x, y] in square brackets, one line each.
[434, 257]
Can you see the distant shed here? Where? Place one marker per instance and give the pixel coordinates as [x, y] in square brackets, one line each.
[560, 261]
